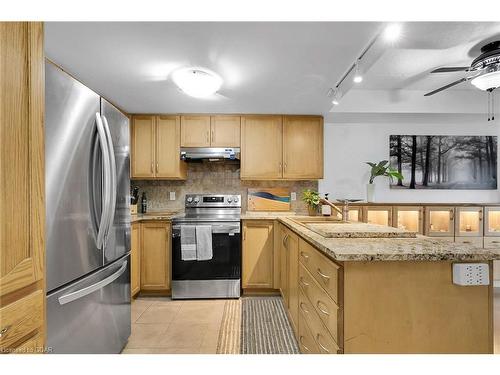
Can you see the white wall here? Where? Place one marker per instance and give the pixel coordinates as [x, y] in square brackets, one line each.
[349, 146]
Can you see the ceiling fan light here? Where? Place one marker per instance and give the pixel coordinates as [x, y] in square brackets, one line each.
[487, 81]
[197, 82]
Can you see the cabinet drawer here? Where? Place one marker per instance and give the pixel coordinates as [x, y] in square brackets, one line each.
[325, 307]
[325, 271]
[491, 243]
[322, 338]
[20, 318]
[306, 341]
[475, 241]
[33, 345]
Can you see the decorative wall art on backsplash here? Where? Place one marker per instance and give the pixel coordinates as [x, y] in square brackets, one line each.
[268, 199]
[444, 162]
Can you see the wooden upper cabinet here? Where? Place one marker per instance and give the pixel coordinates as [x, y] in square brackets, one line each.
[155, 256]
[261, 147]
[156, 148]
[258, 254]
[302, 147]
[168, 162]
[195, 131]
[143, 146]
[225, 131]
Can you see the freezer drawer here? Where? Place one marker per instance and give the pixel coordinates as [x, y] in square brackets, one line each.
[91, 315]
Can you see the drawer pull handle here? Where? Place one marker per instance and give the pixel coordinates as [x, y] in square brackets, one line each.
[4, 331]
[318, 305]
[302, 282]
[495, 241]
[301, 339]
[319, 343]
[304, 255]
[322, 274]
[302, 304]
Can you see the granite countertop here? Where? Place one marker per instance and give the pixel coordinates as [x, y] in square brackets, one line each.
[266, 215]
[421, 248]
[154, 215]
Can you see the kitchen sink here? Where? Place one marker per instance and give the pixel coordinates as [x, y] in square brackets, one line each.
[318, 220]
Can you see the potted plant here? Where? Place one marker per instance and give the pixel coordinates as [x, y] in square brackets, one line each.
[311, 198]
[381, 168]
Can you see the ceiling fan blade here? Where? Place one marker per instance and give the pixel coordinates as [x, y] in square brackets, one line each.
[446, 86]
[448, 69]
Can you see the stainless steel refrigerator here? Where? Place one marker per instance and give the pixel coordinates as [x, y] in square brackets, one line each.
[87, 189]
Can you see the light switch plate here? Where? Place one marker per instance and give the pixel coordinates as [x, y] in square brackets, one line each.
[468, 274]
[293, 196]
[172, 196]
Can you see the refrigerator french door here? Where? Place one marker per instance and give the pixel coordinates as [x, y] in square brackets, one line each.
[87, 216]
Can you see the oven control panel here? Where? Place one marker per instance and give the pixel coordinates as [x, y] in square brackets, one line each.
[212, 200]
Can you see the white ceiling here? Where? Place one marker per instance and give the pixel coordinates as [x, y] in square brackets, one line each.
[266, 67]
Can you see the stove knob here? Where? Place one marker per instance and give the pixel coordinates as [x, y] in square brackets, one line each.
[235, 199]
[196, 200]
[229, 199]
[189, 199]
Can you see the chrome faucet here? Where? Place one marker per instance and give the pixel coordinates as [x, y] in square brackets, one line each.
[342, 211]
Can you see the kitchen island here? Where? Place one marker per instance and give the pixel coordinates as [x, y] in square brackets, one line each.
[381, 295]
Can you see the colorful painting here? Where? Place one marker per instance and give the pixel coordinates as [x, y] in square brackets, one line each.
[444, 162]
[269, 199]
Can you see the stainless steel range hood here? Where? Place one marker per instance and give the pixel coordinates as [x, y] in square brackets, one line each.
[210, 153]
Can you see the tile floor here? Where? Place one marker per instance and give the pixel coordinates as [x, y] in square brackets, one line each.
[163, 326]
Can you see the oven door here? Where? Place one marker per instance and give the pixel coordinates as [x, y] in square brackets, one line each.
[226, 261]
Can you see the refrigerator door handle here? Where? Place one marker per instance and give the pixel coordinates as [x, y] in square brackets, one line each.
[106, 183]
[113, 179]
[73, 296]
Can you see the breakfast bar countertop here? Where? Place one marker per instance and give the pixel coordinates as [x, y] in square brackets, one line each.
[421, 248]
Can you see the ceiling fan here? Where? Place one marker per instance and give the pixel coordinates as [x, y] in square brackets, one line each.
[485, 70]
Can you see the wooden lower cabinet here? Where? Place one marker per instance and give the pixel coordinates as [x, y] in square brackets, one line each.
[155, 256]
[283, 264]
[135, 259]
[258, 254]
[22, 174]
[382, 307]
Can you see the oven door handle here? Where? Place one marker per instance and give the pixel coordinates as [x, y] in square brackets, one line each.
[216, 229]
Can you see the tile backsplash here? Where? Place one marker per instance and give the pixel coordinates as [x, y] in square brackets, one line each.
[213, 178]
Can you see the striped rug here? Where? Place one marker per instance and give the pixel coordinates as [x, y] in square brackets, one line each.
[256, 325]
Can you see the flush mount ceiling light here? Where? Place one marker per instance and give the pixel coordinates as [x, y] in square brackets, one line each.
[197, 82]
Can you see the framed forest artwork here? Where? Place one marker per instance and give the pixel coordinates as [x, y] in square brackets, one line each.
[444, 162]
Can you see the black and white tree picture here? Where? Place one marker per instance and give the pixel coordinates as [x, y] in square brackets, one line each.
[444, 162]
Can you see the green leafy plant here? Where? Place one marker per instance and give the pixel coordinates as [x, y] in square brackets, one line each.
[311, 198]
[383, 169]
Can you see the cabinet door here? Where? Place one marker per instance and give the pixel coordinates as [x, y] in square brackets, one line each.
[258, 245]
[292, 245]
[195, 131]
[439, 221]
[225, 131]
[381, 215]
[22, 173]
[469, 222]
[155, 256]
[302, 147]
[261, 147]
[492, 221]
[408, 218]
[143, 147]
[135, 259]
[168, 161]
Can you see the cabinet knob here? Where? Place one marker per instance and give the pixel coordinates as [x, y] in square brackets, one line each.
[4, 331]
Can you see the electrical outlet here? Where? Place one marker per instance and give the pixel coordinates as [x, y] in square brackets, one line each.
[467, 274]
[172, 195]
[293, 196]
